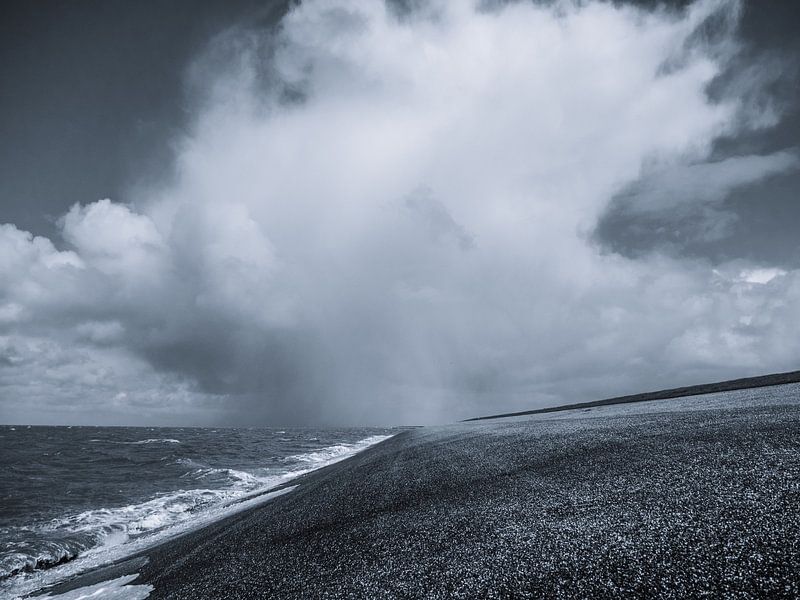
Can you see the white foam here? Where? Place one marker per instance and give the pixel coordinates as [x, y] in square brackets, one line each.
[138, 442]
[331, 454]
[122, 531]
[116, 589]
[104, 554]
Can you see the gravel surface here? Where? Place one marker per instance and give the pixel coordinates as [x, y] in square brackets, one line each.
[691, 501]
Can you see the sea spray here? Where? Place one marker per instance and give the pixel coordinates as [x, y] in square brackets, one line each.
[76, 497]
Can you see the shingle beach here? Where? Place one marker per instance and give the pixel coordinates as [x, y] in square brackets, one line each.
[671, 498]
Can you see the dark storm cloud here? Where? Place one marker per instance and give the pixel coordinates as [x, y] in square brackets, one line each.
[754, 220]
[685, 208]
[373, 218]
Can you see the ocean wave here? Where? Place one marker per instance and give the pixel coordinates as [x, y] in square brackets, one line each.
[234, 475]
[139, 442]
[330, 454]
[49, 554]
[93, 533]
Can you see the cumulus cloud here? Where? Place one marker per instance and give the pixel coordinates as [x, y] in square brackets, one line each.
[385, 216]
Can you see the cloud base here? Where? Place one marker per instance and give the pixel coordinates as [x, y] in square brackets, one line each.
[385, 218]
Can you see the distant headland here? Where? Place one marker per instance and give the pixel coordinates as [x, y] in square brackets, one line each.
[692, 390]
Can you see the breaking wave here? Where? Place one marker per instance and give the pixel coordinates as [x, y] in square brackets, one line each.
[96, 534]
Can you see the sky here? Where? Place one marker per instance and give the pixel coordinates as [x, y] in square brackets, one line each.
[336, 212]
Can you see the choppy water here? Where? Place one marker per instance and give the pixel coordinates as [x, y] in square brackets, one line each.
[98, 493]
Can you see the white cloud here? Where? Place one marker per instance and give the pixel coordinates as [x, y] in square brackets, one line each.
[761, 276]
[404, 240]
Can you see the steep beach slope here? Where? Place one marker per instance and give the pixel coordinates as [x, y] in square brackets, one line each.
[672, 498]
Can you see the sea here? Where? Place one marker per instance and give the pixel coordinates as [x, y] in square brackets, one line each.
[72, 498]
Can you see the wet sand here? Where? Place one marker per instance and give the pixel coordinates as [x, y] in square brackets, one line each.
[673, 498]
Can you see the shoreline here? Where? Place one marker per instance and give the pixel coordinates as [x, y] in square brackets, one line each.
[100, 558]
[624, 499]
[129, 564]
